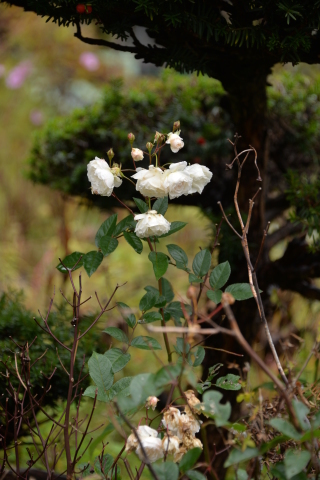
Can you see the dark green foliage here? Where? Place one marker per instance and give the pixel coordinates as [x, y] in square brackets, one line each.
[17, 322]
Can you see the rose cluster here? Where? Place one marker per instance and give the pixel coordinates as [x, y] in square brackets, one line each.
[179, 437]
[155, 182]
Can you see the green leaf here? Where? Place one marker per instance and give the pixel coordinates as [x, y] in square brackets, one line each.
[167, 471]
[70, 260]
[141, 387]
[199, 355]
[285, 427]
[121, 387]
[150, 317]
[182, 346]
[238, 456]
[295, 461]
[100, 370]
[117, 334]
[124, 224]
[189, 459]
[108, 245]
[301, 412]
[129, 318]
[201, 262]
[148, 300]
[84, 468]
[220, 275]
[91, 261]
[143, 207]
[242, 474]
[106, 228]
[91, 392]
[160, 263]
[194, 279]
[194, 475]
[161, 205]
[174, 227]
[215, 295]
[133, 241]
[107, 462]
[214, 409]
[117, 358]
[167, 291]
[146, 343]
[174, 309]
[229, 382]
[178, 254]
[240, 291]
[166, 375]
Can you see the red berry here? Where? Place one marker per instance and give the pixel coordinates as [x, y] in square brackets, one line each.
[81, 8]
[201, 141]
[88, 9]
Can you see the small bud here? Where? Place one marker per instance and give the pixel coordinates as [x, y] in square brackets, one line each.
[227, 298]
[152, 402]
[158, 137]
[192, 292]
[149, 146]
[131, 137]
[176, 126]
[110, 154]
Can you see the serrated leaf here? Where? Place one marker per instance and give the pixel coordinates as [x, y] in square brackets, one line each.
[117, 334]
[124, 224]
[240, 291]
[285, 427]
[150, 317]
[70, 260]
[148, 300]
[189, 459]
[167, 471]
[91, 392]
[120, 387]
[128, 317]
[100, 370]
[194, 475]
[167, 291]
[161, 205]
[229, 382]
[238, 456]
[167, 374]
[91, 261]
[194, 279]
[220, 275]
[199, 355]
[133, 241]
[295, 461]
[174, 227]
[142, 206]
[178, 254]
[146, 343]
[108, 245]
[201, 262]
[117, 358]
[175, 310]
[106, 228]
[215, 295]
[160, 263]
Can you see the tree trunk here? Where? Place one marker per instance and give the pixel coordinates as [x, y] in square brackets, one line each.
[248, 106]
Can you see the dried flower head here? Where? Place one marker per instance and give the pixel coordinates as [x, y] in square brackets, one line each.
[171, 419]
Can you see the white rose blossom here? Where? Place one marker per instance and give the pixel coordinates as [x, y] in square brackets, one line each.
[176, 181]
[151, 223]
[170, 445]
[137, 154]
[171, 419]
[188, 424]
[152, 447]
[175, 141]
[200, 175]
[150, 182]
[101, 177]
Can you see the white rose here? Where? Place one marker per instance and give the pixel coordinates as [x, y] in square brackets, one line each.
[200, 175]
[152, 447]
[137, 154]
[145, 431]
[170, 445]
[150, 182]
[176, 181]
[171, 419]
[175, 142]
[188, 424]
[101, 177]
[151, 223]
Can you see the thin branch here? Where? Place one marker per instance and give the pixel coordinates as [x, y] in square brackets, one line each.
[226, 219]
[265, 233]
[103, 43]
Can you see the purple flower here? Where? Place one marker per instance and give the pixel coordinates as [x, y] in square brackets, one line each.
[18, 74]
[89, 61]
[36, 117]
